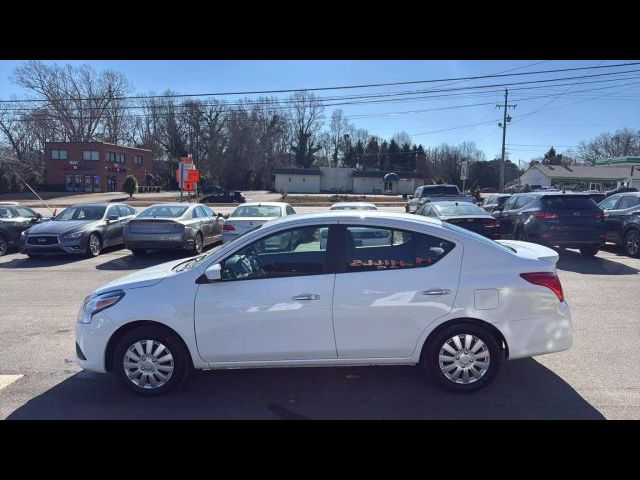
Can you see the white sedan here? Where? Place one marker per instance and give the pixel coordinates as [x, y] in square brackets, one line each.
[437, 295]
[250, 215]
[353, 206]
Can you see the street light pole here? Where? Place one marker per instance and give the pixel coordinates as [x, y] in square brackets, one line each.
[506, 119]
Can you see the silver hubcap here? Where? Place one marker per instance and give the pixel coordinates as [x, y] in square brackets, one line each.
[198, 243]
[94, 244]
[464, 359]
[148, 364]
[633, 243]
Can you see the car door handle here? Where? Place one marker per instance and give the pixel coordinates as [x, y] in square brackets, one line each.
[306, 296]
[436, 291]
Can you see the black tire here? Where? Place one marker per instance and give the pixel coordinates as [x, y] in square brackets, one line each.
[407, 209]
[34, 256]
[430, 360]
[521, 235]
[173, 344]
[589, 251]
[198, 244]
[4, 246]
[631, 244]
[91, 251]
[138, 251]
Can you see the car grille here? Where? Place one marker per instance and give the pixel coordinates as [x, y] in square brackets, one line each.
[42, 240]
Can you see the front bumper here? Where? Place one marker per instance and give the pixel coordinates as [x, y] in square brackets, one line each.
[540, 335]
[76, 246]
[91, 341]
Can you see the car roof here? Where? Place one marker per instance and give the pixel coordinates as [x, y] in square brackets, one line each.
[264, 204]
[174, 204]
[451, 202]
[94, 205]
[350, 204]
[359, 215]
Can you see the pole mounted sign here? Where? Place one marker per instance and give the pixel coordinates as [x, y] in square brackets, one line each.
[464, 169]
[187, 175]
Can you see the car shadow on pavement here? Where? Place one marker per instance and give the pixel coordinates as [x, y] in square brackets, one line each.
[574, 261]
[137, 262]
[524, 389]
[22, 261]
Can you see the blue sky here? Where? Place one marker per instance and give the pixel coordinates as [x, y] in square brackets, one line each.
[562, 121]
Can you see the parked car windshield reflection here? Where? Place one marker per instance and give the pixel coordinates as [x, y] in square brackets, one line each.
[169, 211]
[85, 212]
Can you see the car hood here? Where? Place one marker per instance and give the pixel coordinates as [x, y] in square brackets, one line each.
[142, 278]
[54, 227]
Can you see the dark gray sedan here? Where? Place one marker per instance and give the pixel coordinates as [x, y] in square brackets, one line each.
[170, 226]
[81, 229]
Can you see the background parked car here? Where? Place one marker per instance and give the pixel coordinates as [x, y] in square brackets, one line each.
[224, 197]
[494, 202]
[622, 221]
[615, 191]
[436, 193]
[463, 214]
[80, 229]
[353, 206]
[554, 219]
[173, 226]
[250, 215]
[15, 219]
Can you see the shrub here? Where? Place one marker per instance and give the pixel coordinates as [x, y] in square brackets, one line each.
[130, 185]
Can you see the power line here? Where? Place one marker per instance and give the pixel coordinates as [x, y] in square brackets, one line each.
[342, 87]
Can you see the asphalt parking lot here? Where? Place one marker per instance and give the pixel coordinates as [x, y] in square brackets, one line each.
[598, 378]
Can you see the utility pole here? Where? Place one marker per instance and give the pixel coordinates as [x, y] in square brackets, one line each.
[506, 120]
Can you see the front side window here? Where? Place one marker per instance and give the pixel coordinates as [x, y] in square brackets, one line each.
[628, 202]
[25, 212]
[6, 212]
[378, 248]
[510, 204]
[295, 252]
[523, 202]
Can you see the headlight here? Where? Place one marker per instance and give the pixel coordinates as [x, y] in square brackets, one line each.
[97, 303]
[73, 235]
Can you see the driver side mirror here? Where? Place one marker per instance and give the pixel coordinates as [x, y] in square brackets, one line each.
[213, 272]
[112, 218]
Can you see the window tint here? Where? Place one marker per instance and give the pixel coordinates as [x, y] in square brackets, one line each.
[6, 212]
[523, 202]
[433, 190]
[299, 251]
[208, 212]
[123, 211]
[625, 202]
[375, 248]
[25, 212]
[510, 204]
[609, 203]
[290, 210]
[169, 211]
[567, 202]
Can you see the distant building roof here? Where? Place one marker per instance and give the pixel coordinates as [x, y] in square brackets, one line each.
[297, 171]
[578, 172]
[618, 160]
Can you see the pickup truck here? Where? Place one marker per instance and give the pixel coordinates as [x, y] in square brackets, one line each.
[435, 193]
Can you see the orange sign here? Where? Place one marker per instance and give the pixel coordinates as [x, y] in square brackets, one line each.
[188, 186]
[193, 175]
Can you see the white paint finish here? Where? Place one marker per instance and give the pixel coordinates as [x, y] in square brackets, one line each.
[486, 299]
[258, 320]
[297, 183]
[336, 178]
[6, 380]
[533, 176]
[377, 315]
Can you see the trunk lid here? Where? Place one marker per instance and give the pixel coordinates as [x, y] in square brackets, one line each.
[532, 251]
[242, 224]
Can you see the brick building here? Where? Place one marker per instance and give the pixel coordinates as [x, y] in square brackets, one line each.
[94, 166]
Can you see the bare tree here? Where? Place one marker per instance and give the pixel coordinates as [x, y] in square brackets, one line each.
[306, 121]
[625, 142]
[338, 128]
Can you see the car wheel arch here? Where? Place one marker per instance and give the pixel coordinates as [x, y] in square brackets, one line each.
[128, 327]
[492, 329]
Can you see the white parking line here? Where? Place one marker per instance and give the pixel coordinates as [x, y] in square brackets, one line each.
[6, 380]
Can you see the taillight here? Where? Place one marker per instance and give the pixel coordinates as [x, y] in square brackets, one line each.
[545, 215]
[492, 223]
[599, 215]
[545, 279]
[228, 228]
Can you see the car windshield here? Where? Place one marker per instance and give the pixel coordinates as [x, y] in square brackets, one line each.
[83, 212]
[440, 190]
[477, 236]
[460, 209]
[257, 211]
[167, 211]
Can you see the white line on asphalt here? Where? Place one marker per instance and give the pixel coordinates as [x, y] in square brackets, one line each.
[6, 380]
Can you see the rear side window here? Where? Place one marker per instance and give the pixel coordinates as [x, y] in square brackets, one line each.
[510, 204]
[376, 248]
[566, 202]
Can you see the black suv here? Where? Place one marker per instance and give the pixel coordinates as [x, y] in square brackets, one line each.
[554, 219]
[224, 197]
[622, 221]
[14, 219]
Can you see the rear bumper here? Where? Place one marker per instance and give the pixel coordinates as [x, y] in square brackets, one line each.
[566, 237]
[161, 241]
[540, 335]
